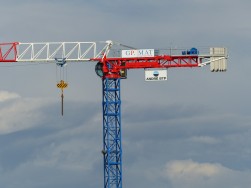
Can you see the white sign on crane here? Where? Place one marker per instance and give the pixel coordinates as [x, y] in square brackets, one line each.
[138, 53]
[155, 74]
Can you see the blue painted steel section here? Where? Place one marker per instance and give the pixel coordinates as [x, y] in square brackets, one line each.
[112, 148]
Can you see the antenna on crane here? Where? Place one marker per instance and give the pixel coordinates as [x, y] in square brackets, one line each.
[61, 62]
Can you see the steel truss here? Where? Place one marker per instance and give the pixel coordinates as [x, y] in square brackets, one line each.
[8, 52]
[48, 51]
[114, 65]
[112, 148]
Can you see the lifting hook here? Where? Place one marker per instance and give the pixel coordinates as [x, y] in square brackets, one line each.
[62, 85]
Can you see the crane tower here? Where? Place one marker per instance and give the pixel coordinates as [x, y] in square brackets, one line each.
[112, 62]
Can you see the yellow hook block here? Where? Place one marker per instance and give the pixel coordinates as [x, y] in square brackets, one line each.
[62, 84]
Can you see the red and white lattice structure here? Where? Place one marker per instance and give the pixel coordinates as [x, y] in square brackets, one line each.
[99, 51]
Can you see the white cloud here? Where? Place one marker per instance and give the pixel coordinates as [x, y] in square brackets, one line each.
[190, 174]
[20, 114]
[5, 96]
[189, 168]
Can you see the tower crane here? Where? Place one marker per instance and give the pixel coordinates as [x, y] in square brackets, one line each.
[112, 62]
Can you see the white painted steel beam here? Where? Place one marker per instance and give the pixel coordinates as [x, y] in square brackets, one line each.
[72, 51]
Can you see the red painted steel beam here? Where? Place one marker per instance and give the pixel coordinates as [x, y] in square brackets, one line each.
[8, 52]
[113, 66]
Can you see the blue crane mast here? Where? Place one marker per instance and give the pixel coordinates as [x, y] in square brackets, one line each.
[112, 146]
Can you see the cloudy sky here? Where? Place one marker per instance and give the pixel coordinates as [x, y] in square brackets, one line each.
[191, 131]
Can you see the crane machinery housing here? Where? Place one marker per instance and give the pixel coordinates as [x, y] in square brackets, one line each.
[112, 62]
